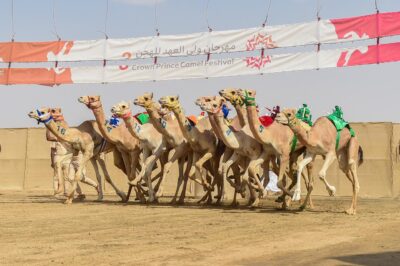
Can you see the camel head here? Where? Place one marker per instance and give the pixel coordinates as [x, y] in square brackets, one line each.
[170, 102]
[232, 95]
[91, 102]
[41, 115]
[202, 100]
[214, 105]
[57, 114]
[146, 100]
[286, 116]
[248, 96]
[121, 109]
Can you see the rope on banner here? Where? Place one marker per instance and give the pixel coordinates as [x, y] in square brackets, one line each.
[266, 16]
[377, 32]
[318, 31]
[55, 32]
[105, 32]
[156, 25]
[12, 41]
[263, 25]
[208, 25]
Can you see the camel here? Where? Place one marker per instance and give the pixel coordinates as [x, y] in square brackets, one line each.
[153, 143]
[322, 139]
[243, 144]
[85, 139]
[203, 142]
[61, 155]
[278, 141]
[169, 128]
[126, 144]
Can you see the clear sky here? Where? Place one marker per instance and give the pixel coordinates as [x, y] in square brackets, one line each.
[367, 93]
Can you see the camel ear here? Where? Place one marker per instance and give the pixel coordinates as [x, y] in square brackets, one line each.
[59, 109]
[177, 97]
[151, 95]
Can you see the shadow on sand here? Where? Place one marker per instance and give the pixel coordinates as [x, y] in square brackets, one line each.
[384, 258]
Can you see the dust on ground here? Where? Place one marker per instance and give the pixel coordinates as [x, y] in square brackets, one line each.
[35, 228]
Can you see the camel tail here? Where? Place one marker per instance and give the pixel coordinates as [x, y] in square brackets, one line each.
[360, 156]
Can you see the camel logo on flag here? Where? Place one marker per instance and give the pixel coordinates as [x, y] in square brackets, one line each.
[259, 41]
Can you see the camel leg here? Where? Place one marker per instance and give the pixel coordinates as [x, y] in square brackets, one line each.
[179, 153]
[329, 159]
[307, 159]
[186, 178]
[199, 166]
[148, 168]
[352, 175]
[310, 187]
[193, 174]
[253, 166]
[107, 177]
[163, 160]
[284, 161]
[99, 179]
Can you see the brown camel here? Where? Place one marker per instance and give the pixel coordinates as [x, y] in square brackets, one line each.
[321, 140]
[168, 126]
[85, 139]
[153, 143]
[277, 141]
[203, 142]
[126, 144]
[243, 144]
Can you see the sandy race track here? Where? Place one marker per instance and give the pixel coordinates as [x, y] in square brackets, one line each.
[37, 229]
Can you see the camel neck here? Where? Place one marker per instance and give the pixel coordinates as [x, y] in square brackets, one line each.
[225, 132]
[242, 114]
[106, 132]
[62, 133]
[299, 131]
[185, 126]
[134, 127]
[158, 122]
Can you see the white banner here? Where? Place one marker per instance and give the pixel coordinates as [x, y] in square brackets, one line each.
[204, 43]
[204, 69]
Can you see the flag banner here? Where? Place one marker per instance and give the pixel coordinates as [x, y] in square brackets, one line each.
[204, 43]
[365, 55]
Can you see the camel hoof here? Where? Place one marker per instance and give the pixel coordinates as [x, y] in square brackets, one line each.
[81, 197]
[234, 204]
[68, 201]
[255, 204]
[302, 208]
[122, 195]
[332, 191]
[280, 199]
[350, 211]
[159, 193]
[296, 195]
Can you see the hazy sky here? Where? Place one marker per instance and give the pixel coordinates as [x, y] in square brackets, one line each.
[367, 93]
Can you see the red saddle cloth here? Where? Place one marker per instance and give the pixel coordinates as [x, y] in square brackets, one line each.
[266, 120]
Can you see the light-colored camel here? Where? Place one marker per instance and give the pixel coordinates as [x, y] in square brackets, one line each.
[117, 134]
[153, 143]
[203, 142]
[243, 144]
[180, 149]
[61, 155]
[277, 141]
[85, 139]
[321, 140]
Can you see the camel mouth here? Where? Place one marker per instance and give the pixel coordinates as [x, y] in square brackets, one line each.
[136, 102]
[32, 115]
[280, 119]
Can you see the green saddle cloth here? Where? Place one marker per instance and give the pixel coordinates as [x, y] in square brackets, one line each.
[143, 118]
[339, 124]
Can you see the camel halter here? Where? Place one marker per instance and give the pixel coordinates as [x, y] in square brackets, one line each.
[247, 99]
[237, 100]
[126, 116]
[40, 118]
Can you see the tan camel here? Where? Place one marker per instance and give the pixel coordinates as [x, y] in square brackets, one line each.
[227, 153]
[243, 144]
[85, 139]
[203, 142]
[321, 140]
[153, 143]
[168, 126]
[277, 141]
[62, 160]
[126, 144]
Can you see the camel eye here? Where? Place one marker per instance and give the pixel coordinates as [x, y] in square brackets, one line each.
[145, 98]
[214, 105]
[289, 115]
[233, 92]
[123, 106]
